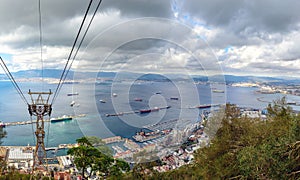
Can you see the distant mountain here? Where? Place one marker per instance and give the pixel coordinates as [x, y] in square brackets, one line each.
[56, 73]
[106, 74]
[234, 79]
[153, 77]
[47, 73]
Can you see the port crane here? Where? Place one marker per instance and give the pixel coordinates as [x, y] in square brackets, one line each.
[40, 105]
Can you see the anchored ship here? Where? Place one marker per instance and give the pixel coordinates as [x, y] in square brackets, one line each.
[73, 94]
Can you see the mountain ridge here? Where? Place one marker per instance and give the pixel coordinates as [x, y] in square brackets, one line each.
[56, 73]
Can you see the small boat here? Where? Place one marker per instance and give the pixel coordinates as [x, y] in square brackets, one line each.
[159, 92]
[138, 99]
[73, 94]
[54, 151]
[81, 115]
[2, 125]
[203, 106]
[218, 91]
[291, 103]
[60, 119]
[102, 101]
[72, 103]
[114, 95]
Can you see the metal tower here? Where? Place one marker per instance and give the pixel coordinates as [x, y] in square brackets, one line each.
[39, 108]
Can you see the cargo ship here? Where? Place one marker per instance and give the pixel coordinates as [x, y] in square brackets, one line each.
[143, 111]
[73, 94]
[174, 98]
[62, 118]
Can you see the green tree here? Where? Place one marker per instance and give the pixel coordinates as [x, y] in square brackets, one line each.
[3, 165]
[86, 156]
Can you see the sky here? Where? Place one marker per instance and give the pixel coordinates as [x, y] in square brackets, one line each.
[239, 37]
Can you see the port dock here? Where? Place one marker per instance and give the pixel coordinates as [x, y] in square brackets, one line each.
[141, 111]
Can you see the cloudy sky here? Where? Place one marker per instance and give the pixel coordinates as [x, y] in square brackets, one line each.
[243, 37]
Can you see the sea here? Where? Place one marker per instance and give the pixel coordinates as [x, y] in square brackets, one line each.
[91, 114]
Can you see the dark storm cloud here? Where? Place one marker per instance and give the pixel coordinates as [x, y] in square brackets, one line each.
[57, 17]
[261, 15]
[15, 12]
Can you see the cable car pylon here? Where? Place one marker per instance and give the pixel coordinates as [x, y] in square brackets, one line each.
[40, 108]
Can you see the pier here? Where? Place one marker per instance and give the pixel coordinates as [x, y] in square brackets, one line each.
[204, 106]
[141, 111]
[162, 125]
[261, 100]
[33, 121]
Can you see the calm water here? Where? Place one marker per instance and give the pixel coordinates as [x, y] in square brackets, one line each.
[153, 94]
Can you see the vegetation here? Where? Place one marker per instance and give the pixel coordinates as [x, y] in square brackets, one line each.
[88, 157]
[2, 134]
[12, 173]
[244, 148]
[2, 161]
